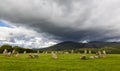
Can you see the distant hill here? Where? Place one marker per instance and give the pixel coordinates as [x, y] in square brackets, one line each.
[65, 46]
[69, 45]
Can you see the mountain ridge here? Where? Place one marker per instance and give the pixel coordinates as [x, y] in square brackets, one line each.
[69, 45]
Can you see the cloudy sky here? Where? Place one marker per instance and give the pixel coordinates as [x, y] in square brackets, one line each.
[42, 23]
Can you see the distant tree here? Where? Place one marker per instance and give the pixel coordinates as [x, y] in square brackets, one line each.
[19, 49]
[6, 46]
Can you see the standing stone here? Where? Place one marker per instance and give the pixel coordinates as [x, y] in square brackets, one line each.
[13, 52]
[91, 57]
[46, 52]
[43, 52]
[72, 51]
[60, 52]
[104, 52]
[36, 55]
[17, 54]
[85, 51]
[96, 57]
[9, 54]
[89, 51]
[83, 57]
[100, 55]
[30, 56]
[5, 52]
[38, 51]
[25, 52]
[54, 56]
[66, 52]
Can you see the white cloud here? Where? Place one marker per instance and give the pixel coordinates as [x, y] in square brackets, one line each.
[24, 37]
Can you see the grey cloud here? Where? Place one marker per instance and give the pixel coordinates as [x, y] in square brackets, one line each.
[66, 19]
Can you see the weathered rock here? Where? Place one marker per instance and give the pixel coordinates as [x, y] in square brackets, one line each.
[54, 56]
[83, 57]
[36, 55]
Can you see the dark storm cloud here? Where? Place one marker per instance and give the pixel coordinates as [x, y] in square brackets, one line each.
[65, 19]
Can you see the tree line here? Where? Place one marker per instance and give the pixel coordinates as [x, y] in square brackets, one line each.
[10, 48]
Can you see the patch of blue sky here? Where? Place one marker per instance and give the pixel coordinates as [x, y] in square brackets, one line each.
[4, 25]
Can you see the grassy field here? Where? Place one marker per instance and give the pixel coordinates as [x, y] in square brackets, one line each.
[65, 62]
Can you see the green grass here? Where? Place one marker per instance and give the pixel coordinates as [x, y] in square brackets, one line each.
[65, 62]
